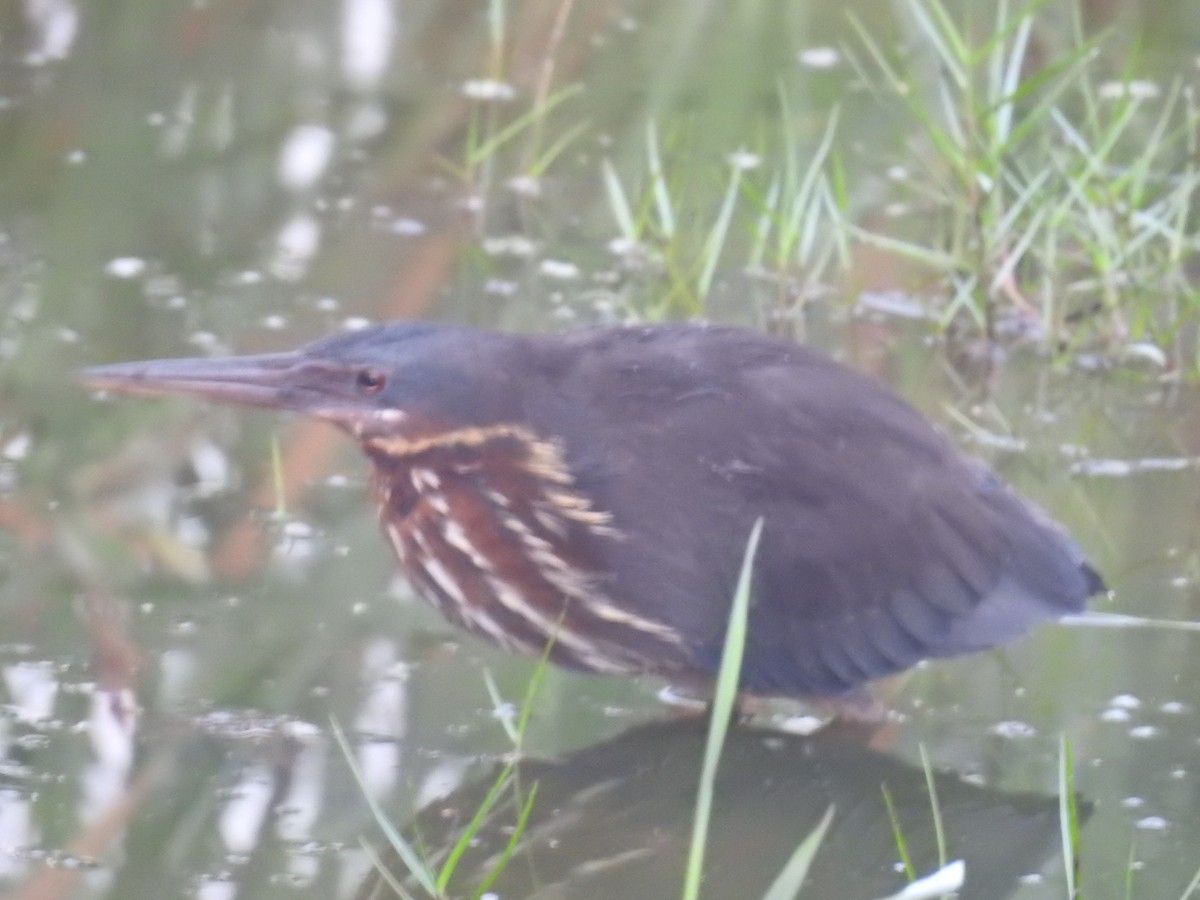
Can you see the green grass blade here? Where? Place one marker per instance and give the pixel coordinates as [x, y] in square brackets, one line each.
[791, 878]
[488, 148]
[277, 479]
[569, 136]
[658, 183]
[498, 704]
[927, 255]
[724, 697]
[472, 829]
[1068, 814]
[1010, 82]
[936, 808]
[1193, 886]
[898, 833]
[618, 203]
[384, 872]
[719, 233]
[535, 682]
[404, 849]
[518, 830]
[946, 41]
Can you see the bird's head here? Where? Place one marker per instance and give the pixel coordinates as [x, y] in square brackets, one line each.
[402, 379]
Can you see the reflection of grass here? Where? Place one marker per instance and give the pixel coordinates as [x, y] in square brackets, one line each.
[433, 878]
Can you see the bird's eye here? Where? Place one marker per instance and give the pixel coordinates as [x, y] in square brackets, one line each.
[370, 381]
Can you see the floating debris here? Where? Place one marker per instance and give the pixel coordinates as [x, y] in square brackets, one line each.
[489, 90]
[1136, 89]
[126, 267]
[516, 245]
[1122, 468]
[559, 270]
[819, 57]
[891, 303]
[1013, 730]
[1120, 620]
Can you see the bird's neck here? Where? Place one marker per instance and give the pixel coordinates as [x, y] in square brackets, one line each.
[518, 473]
[491, 527]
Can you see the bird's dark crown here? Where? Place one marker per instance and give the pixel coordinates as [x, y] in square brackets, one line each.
[417, 378]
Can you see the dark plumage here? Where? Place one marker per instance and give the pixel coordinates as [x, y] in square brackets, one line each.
[603, 483]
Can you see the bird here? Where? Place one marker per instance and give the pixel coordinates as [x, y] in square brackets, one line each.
[588, 494]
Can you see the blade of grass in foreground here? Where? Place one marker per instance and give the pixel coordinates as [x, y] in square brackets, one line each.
[405, 850]
[931, 786]
[1190, 890]
[1068, 814]
[787, 884]
[278, 478]
[384, 872]
[898, 834]
[724, 696]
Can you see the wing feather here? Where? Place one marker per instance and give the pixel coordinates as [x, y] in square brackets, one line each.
[883, 543]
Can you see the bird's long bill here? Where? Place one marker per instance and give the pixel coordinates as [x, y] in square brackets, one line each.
[266, 380]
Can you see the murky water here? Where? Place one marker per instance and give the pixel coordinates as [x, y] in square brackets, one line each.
[179, 626]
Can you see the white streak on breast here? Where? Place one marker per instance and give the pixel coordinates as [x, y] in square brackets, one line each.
[425, 479]
[587, 652]
[396, 537]
[457, 538]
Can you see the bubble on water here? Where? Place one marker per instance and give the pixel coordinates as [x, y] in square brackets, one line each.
[559, 270]
[297, 529]
[1135, 89]
[525, 185]
[1013, 729]
[126, 267]
[501, 288]
[1125, 701]
[1151, 823]
[17, 447]
[488, 90]
[819, 57]
[305, 155]
[744, 160]
[406, 226]
[509, 245]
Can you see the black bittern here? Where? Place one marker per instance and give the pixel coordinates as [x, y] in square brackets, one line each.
[596, 489]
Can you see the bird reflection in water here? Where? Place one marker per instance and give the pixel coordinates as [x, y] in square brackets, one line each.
[615, 819]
